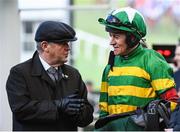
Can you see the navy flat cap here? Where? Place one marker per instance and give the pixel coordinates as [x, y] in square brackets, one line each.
[54, 31]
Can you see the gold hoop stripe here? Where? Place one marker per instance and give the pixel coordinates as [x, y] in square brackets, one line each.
[116, 109]
[129, 71]
[104, 87]
[160, 84]
[131, 91]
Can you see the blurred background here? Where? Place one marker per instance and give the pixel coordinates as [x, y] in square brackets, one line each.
[19, 20]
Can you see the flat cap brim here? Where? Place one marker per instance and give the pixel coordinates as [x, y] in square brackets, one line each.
[63, 40]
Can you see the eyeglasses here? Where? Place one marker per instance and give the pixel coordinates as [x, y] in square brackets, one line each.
[115, 21]
[112, 20]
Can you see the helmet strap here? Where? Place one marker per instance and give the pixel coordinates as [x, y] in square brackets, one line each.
[111, 60]
[131, 40]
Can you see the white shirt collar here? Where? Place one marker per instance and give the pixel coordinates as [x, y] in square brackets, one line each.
[44, 63]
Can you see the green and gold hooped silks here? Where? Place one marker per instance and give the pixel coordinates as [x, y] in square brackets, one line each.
[134, 82]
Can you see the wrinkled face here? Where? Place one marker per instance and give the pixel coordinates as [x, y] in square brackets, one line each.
[177, 56]
[118, 41]
[56, 53]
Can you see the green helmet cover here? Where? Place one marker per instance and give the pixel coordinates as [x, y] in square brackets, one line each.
[131, 21]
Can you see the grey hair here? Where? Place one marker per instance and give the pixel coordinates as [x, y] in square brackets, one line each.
[38, 46]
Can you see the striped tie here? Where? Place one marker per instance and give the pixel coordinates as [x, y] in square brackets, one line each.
[53, 73]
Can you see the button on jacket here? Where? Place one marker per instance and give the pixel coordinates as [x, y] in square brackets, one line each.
[31, 94]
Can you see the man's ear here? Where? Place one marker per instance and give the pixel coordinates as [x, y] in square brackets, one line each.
[44, 45]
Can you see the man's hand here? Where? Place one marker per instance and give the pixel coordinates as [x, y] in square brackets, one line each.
[70, 105]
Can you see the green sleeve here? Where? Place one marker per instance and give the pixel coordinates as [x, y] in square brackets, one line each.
[161, 73]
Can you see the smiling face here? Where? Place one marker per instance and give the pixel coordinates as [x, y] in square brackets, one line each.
[55, 54]
[118, 42]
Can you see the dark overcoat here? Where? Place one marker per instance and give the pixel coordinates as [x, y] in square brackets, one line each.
[31, 94]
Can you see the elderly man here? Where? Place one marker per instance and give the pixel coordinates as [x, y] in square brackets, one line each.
[44, 93]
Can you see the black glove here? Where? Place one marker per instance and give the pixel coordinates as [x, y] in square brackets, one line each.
[70, 105]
